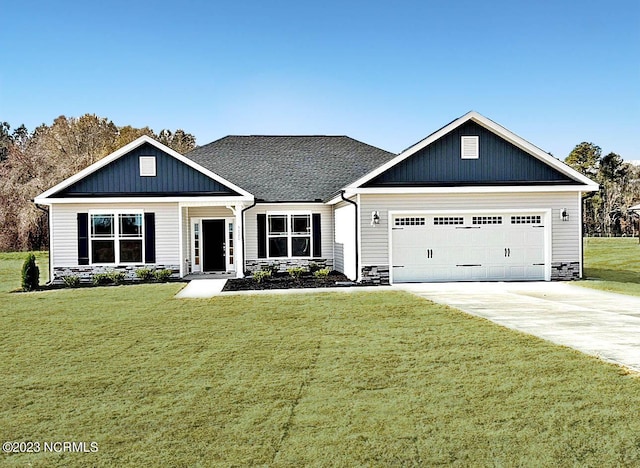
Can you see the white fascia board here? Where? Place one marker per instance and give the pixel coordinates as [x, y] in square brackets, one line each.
[479, 189]
[200, 201]
[490, 125]
[130, 147]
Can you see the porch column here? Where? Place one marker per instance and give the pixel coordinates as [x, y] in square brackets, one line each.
[238, 247]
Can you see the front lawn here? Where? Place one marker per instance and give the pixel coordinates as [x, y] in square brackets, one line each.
[346, 379]
[612, 264]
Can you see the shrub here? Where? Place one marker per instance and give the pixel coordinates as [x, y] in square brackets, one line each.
[296, 272]
[30, 274]
[313, 267]
[273, 268]
[71, 281]
[321, 274]
[99, 279]
[144, 274]
[117, 277]
[162, 275]
[261, 275]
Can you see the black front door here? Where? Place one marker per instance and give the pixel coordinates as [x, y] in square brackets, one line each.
[213, 245]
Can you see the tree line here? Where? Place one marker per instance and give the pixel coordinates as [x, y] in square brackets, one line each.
[607, 211]
[34, 161]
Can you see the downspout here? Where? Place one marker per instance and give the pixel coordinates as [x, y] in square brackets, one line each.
[356, 233]
[244, 247]
[46, 211]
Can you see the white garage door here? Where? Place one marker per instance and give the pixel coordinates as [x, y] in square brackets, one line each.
[468, 247]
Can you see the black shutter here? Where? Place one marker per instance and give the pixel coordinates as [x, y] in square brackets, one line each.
[317, 235]
[83, 238]
[262, 236]
[149, 238]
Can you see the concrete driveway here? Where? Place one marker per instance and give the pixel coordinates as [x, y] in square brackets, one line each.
[602, 324]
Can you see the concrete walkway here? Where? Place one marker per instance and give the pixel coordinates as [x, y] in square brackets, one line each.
[598, 323]
[202, 288]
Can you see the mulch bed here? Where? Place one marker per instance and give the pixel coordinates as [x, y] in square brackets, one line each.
[284, 281]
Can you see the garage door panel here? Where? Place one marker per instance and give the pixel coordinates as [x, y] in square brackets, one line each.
[482, 248]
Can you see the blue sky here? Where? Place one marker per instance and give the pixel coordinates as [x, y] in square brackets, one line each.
[385, 72]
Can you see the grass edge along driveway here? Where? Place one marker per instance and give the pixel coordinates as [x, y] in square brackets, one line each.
[322, 379]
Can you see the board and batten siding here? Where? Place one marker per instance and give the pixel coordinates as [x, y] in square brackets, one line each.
[565, 235]
[64, 239]
[345, 240]
[251, 224]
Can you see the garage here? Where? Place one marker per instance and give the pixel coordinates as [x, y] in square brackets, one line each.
[479, 246]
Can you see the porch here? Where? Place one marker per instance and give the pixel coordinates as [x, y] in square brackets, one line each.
[211, 238]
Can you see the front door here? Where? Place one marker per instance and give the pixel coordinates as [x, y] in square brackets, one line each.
[213, 245]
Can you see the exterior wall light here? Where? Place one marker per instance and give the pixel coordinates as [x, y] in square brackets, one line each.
[564, 214]
[375, 218]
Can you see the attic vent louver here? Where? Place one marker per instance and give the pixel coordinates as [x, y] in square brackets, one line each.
[469, 147]
[147, 166]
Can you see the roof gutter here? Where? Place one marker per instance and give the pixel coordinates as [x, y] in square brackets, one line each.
[356, 231]
[244, 251]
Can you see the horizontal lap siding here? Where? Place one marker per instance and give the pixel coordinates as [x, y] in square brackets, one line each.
[64, 227]
[565, 234]
[251, 225]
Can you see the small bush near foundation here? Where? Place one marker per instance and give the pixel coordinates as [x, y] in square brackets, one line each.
[313, 267]
[296, 272]
[71, 281]
[262, 275]
[162, 275]
[100, 279]
[117, 277]
[272, 268]
[322, 273]
[144, 274]
[30, 274]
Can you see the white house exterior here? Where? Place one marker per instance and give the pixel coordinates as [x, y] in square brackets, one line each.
[471, 202]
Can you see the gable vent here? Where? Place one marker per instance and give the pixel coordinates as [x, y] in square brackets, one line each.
[147, 166]
[469, 147]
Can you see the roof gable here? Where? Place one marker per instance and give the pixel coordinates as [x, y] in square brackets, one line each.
[118, 175]
[499, 162]
[290, 168]
[517, 162]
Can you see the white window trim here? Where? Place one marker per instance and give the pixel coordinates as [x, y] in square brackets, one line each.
[116, 236]
[290, 235]
[146, 171]
[476, 146]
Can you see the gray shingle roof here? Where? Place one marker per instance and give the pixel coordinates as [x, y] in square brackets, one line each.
[290, 168]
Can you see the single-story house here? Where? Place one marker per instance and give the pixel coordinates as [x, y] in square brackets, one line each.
[470, 202]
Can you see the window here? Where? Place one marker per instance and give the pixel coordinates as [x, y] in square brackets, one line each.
[230, 248]
[487, 220]
[469, 147]
[116, 238]
[447, 220]
[535, 219]
[417, 221]
[289, 235]
[147, 166]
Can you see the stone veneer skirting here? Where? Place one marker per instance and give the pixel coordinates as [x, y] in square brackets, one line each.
[375, 274]
[560, 271]
[565, 271]
[285, 263]
[86, 272]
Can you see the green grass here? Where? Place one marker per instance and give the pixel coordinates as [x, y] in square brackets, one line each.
[612, 264]
[327, 379]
